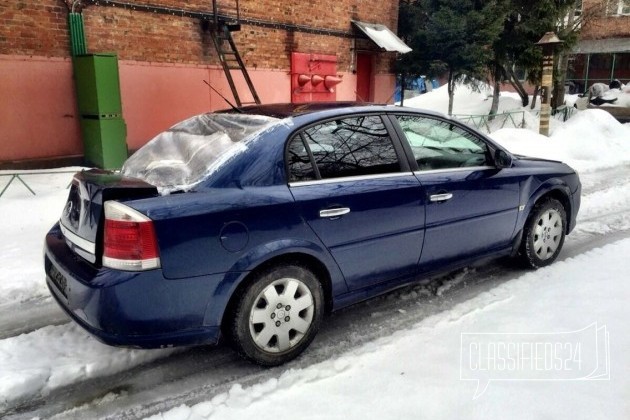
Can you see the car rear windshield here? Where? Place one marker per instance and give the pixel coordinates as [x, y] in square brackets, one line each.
[188, 152]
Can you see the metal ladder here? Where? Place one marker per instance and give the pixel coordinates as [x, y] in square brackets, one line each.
[228, 53]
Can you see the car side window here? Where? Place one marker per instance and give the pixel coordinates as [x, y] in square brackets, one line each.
[438, 144]
[345, 147]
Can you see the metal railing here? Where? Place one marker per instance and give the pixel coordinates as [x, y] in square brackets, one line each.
[513, 119]
[18, 176]
[562, 113]
[490, 123]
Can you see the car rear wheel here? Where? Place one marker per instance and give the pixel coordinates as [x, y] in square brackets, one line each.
[277, 315]
[544, 234]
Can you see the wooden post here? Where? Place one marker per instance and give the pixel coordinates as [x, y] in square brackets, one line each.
[545, 97]
[547, 42]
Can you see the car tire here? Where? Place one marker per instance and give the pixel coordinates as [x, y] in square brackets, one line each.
[277, 315]
[544, 234]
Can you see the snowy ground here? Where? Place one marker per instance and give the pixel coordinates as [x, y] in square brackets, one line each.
[393, 357]
[415, 373]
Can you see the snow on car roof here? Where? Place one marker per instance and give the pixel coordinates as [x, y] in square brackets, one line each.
[185, 154]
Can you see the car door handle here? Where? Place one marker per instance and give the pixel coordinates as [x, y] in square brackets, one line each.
[334, 212]
[437, 198]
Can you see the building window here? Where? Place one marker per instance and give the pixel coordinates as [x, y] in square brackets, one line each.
[622, 7]
[520, 72]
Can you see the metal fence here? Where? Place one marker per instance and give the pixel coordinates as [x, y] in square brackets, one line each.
[562, 113]
[490, 123]
[18, 176]
[513, 119]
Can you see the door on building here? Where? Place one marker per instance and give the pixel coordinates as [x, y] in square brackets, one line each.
[364, 77]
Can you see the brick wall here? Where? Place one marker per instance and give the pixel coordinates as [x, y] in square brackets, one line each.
[163, 60]
[34, 28]
[39, 28]
[604, 23]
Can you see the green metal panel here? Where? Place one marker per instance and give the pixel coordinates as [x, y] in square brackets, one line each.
[98, 85]
[104, 142]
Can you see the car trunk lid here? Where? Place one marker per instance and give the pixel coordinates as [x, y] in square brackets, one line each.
[82, 218]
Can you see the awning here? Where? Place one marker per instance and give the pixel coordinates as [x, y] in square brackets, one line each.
[382, 36]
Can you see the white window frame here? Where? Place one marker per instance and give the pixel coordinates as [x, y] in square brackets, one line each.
[621, 5]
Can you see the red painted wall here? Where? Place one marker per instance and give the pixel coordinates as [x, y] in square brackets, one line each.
[163, 60]
[38, 114]
[156, 96]
[39, 118]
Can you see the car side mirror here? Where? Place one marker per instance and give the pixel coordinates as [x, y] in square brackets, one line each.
[502, 159]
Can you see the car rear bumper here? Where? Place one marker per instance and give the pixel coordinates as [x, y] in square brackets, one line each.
[134, 309]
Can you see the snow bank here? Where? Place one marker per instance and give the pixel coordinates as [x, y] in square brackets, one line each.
[25, 220]
[590, 140]
[468, 101]
[416, 373]
[54, 356]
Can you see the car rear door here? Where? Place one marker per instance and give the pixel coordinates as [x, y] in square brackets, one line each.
[359, 196]
[472, 205]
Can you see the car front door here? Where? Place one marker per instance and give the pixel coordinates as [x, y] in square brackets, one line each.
[472, 205]
[359, 197]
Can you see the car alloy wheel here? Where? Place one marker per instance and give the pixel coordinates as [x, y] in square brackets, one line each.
[281, 315]
[547, 234]
[277, 314]
[544, 234]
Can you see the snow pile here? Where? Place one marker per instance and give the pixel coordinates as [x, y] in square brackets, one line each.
[54, 356]
[417, 372]
[468, 101]
[25, 220]
[590, 140]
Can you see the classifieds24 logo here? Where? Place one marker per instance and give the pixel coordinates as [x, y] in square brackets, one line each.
[559, 356]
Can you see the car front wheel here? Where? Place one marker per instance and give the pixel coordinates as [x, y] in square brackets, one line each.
[277, 315]
[544, 234]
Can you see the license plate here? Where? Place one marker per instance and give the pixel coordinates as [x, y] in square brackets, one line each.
[58, 279]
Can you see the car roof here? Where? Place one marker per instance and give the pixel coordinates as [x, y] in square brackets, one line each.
[286, 110]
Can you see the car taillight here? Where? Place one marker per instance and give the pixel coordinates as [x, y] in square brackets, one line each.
[129, 240]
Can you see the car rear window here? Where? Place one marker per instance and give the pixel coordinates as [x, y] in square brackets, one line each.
[185, 154]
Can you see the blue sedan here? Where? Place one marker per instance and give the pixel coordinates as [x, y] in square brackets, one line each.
[253, 223]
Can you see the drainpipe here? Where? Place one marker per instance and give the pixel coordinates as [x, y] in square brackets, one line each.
[78, 45]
